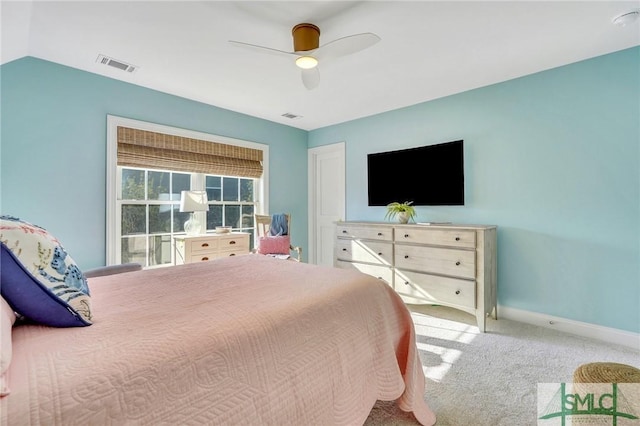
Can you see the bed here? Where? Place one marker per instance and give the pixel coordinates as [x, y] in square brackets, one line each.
[248, 340]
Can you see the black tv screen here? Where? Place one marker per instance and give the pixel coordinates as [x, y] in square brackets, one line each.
[430, 175]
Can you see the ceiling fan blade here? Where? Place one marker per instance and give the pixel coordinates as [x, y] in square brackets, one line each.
[311, 78]
[261, 49]
[346, 45]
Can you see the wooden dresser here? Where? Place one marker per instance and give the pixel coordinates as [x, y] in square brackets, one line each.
[210, 246]
[449, 265]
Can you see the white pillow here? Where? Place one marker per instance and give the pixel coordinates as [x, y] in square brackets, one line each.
[7, 319]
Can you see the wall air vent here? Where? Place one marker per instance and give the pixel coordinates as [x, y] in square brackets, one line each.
[123, 66]
[291, 116]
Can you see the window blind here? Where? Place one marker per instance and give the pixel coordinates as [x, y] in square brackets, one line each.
[151, 150]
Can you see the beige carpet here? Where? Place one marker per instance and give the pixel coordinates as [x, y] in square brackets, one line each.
[490, 379]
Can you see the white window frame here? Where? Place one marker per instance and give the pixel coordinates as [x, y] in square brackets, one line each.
[113, 227]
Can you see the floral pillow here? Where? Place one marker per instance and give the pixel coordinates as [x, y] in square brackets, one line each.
[7, 319]
[39, 279]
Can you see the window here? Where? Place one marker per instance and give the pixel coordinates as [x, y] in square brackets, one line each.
[149, 213]
[231, 203]
[143, 203]
[149, 208]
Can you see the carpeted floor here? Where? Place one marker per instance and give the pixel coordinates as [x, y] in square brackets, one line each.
[491, 379]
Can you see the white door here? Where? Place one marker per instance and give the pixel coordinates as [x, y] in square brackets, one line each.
[326, 200]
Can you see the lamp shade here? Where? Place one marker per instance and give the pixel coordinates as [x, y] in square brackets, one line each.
[194, 201]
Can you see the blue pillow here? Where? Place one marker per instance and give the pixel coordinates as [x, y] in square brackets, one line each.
[39, 279]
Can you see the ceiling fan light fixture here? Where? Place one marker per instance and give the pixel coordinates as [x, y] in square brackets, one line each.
[305, 37]
[306, 62]
[307, 50]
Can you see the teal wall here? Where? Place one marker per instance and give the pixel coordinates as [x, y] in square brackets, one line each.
[53, 149]
[552, 159]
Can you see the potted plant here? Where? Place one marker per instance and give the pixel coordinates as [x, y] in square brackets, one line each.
[405, 211]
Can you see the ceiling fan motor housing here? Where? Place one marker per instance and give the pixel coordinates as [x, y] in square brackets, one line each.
[305, 37]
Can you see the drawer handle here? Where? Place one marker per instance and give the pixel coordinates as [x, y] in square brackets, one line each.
[406, 235]
[205, 258]
[344, 231]
[344, 249]
[232, 254]
[232, 242]
[379, 234]
[205, 245]
[457, 238]
[457, 291]
[406, 283]
[379, 254]
[406, 256]
[458, 263]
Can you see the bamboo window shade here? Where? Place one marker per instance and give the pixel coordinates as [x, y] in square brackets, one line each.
[151, 150]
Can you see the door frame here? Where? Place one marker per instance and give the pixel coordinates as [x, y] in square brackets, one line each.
[340, 149]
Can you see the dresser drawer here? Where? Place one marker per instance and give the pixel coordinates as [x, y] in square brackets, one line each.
[364, 251]
[381, 272]
[415, 287]
[234, 242]
[201, 257]
[457, 263]
[233, 252]
[200, 248]
[438, 237]
[383, 233]
[203, 246]
[195, 250]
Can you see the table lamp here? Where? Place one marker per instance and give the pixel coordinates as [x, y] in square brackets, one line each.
[193, 201]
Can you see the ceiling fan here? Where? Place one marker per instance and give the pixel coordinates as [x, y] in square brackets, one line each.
[309, 53]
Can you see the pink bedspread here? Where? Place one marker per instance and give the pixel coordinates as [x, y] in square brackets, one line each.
[247, 340]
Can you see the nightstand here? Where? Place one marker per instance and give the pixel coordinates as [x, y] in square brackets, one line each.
[198, 248]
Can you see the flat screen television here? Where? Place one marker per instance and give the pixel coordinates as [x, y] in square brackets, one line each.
[431, 175]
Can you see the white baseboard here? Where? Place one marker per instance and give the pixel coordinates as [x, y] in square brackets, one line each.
[598, 332]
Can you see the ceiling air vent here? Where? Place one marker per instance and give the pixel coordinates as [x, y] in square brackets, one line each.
[123, 66]
[291, 116]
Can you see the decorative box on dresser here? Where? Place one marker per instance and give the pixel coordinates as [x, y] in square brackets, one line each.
[450, 265]
[190, 249]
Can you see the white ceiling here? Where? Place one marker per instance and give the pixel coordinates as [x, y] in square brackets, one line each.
[429, 49]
